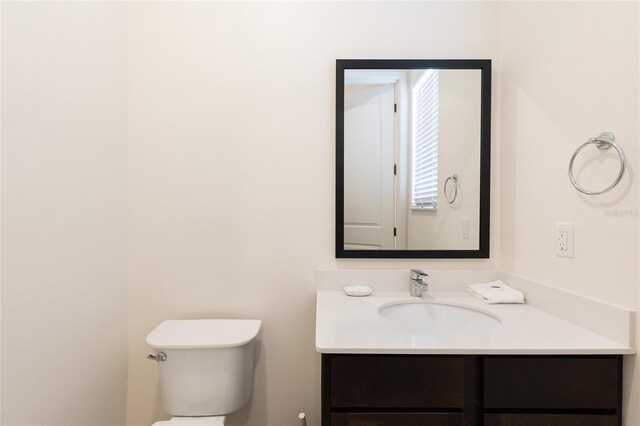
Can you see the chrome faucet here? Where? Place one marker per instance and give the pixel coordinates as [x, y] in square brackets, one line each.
[418, 283]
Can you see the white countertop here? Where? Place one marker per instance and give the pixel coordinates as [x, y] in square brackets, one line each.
[353, 325]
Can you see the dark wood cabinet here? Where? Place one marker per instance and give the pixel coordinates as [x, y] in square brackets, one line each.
[563, 382]
[397, 382]
[550, 420]
[471, 390]
[397, 419]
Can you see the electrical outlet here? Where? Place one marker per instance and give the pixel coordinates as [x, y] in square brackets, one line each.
[564, 239]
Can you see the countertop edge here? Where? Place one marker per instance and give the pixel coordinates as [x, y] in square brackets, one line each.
[342, 351]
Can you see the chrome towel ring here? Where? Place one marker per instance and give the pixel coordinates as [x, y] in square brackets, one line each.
[603, 142]
[454, 179]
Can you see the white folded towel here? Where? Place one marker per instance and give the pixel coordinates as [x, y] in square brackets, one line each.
[495, 292]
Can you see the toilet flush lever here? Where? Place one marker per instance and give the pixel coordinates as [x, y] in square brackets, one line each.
[160, 357]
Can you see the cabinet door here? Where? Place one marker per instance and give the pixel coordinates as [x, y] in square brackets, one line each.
[397, 382]
[549, 420]
[543, 382]
[397, 419]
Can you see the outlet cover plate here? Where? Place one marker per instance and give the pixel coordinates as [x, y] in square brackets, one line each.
[564, 240]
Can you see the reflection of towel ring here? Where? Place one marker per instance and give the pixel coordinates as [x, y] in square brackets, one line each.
[603, 142]
[453, 178]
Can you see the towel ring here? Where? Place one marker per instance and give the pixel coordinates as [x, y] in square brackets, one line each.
[453, 178]
[603, 142]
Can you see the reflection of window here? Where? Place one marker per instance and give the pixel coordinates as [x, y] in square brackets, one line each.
[425, 142]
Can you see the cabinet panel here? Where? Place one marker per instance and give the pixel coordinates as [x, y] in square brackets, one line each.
[443, 390]
[397, 419]
[552, 382]
[398, 381]
[549, 420]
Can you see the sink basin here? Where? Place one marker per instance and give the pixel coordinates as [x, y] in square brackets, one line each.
[427, 316]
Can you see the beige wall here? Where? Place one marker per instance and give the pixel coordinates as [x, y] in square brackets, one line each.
[64, 213]
[562, 83]
[232, 170]
[231, 178]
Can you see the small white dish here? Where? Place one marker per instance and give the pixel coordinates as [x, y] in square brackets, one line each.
[357, 290]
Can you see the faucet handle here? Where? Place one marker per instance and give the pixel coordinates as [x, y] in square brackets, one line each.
[418, 275]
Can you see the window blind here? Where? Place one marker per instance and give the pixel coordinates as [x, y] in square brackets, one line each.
[425, 142]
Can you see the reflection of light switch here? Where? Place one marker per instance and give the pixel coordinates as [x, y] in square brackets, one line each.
[465, 227]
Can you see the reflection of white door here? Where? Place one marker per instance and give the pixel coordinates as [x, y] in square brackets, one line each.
[369, 137]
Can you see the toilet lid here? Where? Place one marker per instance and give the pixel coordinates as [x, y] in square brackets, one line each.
[193, 421]
[212, 333]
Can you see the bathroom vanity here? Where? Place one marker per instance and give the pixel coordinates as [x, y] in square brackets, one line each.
[412, 136]
[449, 359]
[457, 390]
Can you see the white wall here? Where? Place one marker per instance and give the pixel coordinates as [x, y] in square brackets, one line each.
[562, 83]
[64, 213]
[232, 170]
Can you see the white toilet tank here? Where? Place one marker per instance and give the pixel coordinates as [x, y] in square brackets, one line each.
[208, 369]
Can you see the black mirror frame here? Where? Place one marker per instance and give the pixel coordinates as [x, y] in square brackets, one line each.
[484, 65]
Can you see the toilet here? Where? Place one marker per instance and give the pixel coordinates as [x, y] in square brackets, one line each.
[206, 368]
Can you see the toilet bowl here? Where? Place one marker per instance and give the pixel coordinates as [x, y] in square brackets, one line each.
[206, 368]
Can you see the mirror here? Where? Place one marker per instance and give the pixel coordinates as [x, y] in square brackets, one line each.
[413, 158]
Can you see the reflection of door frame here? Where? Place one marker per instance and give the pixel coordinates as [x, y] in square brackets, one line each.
[401, 147]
